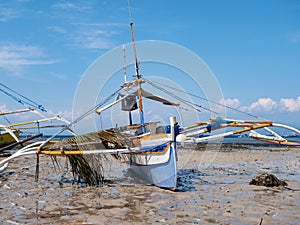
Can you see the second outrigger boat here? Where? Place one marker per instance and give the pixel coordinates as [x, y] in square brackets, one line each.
[16, 134]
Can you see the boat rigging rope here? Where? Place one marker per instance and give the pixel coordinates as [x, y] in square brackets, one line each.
[92, 110]
[25, 101]
[191, 104]
[205, 99]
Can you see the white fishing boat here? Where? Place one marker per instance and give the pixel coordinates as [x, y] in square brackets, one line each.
[157, 164]
[150, 150]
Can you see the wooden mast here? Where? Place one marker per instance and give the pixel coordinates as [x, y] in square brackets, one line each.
[139, 80]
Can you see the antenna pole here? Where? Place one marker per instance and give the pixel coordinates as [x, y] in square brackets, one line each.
[134, 52]
[124, 67]
[125, 80]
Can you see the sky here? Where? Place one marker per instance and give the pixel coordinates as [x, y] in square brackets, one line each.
[252, 47]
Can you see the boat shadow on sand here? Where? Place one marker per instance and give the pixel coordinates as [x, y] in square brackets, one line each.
[188, 178]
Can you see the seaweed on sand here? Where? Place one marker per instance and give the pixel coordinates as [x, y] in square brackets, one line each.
[268, 180]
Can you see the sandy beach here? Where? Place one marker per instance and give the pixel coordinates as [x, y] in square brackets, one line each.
[213, 188]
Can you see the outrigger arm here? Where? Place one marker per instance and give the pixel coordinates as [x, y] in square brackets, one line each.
[193, 133]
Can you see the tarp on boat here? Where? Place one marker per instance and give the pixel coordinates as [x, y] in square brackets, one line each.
[151, 96]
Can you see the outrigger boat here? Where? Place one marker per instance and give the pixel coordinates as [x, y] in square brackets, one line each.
[8, 137]
[10, 134]
[150, 150]
[195, 133]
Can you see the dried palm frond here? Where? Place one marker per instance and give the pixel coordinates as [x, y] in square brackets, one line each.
[89, 168]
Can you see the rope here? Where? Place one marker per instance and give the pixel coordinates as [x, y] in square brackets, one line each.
[205, 99]
[191, 104]
[92, 110]
[25, 102]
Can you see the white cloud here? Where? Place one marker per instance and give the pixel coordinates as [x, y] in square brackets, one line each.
[58, 29]
[263, 104]
[72, 6]
[3, 108]
[93, 40]
[81, 32]
[14, 57]
[60, 76]
[7, 14]
[290, 104]
[231, 102]
[106, 24]
[88, 36]
[66, 5]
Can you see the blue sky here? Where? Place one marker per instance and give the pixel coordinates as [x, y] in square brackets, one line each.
[252, 47]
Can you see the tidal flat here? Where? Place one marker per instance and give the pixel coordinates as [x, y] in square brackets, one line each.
[213, 188]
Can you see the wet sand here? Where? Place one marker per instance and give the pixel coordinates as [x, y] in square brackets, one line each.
[213, 188]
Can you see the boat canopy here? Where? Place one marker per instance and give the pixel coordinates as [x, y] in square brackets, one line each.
[151, 96]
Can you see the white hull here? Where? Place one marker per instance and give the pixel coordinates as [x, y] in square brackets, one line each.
[157, 168]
